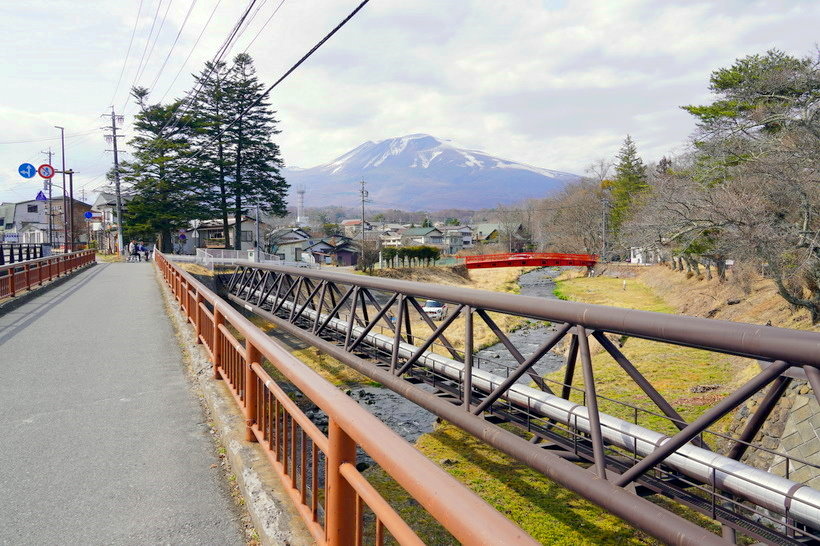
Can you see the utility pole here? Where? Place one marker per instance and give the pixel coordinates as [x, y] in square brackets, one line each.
[65, 194]
[256, 256]
[364, 197]
[114, 136]
[49, 153]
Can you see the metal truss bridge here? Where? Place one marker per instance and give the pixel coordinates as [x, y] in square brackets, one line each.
[372, 325]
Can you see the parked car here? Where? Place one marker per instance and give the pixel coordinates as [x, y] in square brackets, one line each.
[436, 310]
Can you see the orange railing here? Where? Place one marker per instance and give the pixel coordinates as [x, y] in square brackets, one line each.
[14, 278]
[319, 470]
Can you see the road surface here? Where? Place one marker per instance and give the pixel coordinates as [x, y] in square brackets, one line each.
[102, 440]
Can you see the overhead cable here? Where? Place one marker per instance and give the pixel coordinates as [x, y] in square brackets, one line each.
[171, 50]
[127, 53]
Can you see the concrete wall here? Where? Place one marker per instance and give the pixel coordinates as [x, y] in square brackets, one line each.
[792, 428]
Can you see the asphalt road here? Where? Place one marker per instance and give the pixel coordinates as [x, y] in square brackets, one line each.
[102, 441]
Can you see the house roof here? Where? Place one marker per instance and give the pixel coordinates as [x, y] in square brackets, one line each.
[414, 232]
[353, 222]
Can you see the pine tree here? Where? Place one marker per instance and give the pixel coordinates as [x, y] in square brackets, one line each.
[165, 196]
[629, 183]
[211, 111]
[256, 160]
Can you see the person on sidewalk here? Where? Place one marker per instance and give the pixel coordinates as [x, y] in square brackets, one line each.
[133, 256]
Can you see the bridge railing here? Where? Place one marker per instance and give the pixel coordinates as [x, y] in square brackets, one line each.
[319, 470]
[19, 252]
[339, 313]
[20, 276]
[529, 255]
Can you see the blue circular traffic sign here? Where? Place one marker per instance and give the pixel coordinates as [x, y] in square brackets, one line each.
[88, 214]
[27, 170]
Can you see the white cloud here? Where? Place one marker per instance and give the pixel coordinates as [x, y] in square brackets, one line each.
[555, 84]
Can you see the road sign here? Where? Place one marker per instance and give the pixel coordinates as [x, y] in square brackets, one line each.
[45, 170]
[88, 214]
[40, 197]
[26, 170]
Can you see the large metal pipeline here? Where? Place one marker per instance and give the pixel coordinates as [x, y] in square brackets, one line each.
[764, 489]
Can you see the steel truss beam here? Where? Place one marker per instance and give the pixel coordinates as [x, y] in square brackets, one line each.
[402, 296]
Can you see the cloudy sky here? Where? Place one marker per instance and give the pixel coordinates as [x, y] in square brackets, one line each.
[552, 83]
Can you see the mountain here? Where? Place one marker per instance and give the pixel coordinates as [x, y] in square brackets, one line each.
[422, 172]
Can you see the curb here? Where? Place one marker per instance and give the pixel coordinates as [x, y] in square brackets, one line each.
[270, 508]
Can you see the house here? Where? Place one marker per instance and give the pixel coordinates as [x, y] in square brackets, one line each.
[510, 236]
[422, 236]
[210, 234]
[354, 226]
[457, 238]
[390, 239]
[340, 251]
[104, 231]
[27, 221]
[288, 243]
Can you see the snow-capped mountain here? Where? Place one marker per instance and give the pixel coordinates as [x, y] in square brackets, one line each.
[422, 172]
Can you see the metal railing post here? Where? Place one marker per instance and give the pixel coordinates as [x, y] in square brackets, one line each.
[341, 498]
[217, 348]
[198, 317]
[252, 355]
[11, 280]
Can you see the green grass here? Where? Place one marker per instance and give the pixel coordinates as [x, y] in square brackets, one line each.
[671, 369]
[545, 510]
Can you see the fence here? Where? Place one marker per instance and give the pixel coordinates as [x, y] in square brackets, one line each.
[319, 470]
[21, 276]
[20, 252]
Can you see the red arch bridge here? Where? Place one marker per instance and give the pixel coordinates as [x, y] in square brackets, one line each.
[515, 259]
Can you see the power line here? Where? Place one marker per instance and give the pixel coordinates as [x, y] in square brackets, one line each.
[208, 22]
[46, 139]
[144, 51]
[305, 57]
[175, 119]
[127, 53]
[156, 39]
[170, 51]
[264, 25]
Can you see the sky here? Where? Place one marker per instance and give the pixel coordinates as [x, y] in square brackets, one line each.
[553, 83]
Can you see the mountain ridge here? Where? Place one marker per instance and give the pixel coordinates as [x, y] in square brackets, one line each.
[422, 172]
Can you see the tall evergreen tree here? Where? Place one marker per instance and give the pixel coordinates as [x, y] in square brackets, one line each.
[256, 158]
[213, 165]
[630, 181]
[165, 198]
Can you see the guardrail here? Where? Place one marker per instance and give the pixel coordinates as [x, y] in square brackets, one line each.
[20, 276]
[319, 470]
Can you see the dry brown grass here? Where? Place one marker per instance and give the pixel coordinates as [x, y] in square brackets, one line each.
[196, 269]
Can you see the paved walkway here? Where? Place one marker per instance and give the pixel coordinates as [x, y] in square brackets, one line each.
[102, 440]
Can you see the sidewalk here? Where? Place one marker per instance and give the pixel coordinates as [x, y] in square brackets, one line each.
[103, 440]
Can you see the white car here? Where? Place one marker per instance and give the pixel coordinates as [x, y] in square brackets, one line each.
[436, 310]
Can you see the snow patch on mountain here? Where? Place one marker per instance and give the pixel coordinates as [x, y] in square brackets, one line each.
[420, 171]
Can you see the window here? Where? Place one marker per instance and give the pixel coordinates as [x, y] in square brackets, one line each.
[10, 225]
[2, 220]
[32, 208]
[247, 236]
